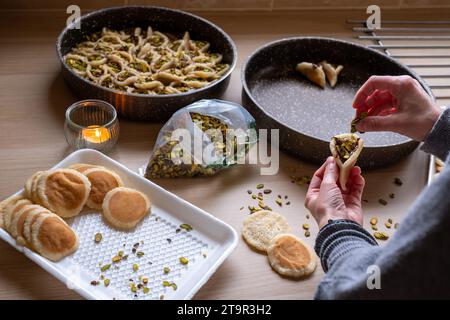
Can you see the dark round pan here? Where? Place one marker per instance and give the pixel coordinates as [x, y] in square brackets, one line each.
[308, 116]
[138, 106]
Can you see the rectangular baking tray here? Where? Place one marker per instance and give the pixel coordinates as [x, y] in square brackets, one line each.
[209, 243]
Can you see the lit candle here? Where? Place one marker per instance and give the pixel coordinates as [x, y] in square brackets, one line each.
[96, 134]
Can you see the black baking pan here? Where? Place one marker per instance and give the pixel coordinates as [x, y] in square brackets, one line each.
[140, 106]
[308, 116]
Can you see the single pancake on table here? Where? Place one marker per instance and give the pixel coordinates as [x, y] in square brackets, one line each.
[260, 227]
[290, 256]
[63, 191]
[102, 181]
[52, 238]
[124, 208]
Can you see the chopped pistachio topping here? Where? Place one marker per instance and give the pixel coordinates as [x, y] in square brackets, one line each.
[166, 270]
[135, 267]
[184, 260]
[105, 267]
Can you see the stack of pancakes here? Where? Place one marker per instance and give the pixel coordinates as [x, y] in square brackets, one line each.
[268, 232]
[34, 219]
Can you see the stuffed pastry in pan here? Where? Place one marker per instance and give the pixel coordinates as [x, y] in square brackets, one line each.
[332, 72]
[312, 72]
[346, 149]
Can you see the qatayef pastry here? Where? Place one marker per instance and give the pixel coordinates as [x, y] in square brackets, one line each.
[290, 256]
[346, 149]
[331, 72]
[313, 72]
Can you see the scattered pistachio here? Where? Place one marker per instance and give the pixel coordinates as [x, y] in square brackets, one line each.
[278, 202]
[259, 186]
[98, 237]
[301, 181]
[106, 282]
[374, 228]
[184, 260]
[139, 254]
[373, 221]
[133, 288]
[95, 283]
[307, 233]
[396, 225]
[135, 267]
[390, 221]
[166, 283]
[288, 203]
[166, 270]
[267, 191]
[381, 235]
[305, 226]
[249, 191]
[145, 280]
[387, 225]
[254, 196]
[307, 216]
[146, 290]
[392, 195]
[105, 267]
[186, 227]
[120, 253]
[382, 201]
[174, 286]
[116, 259]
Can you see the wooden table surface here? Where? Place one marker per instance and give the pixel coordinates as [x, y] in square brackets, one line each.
[34, 98]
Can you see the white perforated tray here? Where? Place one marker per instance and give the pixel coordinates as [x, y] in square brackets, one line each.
[206, 246]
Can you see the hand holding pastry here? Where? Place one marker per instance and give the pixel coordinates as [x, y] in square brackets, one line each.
[325, 200]
[397, 104]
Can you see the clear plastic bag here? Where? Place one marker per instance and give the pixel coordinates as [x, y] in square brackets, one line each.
[202, 139]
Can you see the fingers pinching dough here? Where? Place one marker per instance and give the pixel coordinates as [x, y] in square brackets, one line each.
[63, 191]
[124, 208]
[102, 181]
[290, 256]
[262, 226]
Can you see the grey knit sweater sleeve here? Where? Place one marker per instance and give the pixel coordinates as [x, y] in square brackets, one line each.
[415, 263]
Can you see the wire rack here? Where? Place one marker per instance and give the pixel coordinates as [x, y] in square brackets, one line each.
[423, 45]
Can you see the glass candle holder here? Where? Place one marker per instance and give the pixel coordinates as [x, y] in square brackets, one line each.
[91, 124]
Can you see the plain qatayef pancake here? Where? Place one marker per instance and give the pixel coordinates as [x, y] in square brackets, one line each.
[346, 149]
[124, 208]
[63, 191]
[102, 181]
[52, 238]
[262, 226]
[290, 256]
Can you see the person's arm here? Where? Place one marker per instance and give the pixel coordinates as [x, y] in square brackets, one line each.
[346, 250]
[438, 140]
[414, 263]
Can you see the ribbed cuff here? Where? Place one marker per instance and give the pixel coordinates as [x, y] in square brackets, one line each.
[339, 237]
[438, 140]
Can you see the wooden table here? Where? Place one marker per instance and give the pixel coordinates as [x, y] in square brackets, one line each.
[34, 98]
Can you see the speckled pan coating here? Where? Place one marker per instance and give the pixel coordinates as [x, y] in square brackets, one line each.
[308, 116]
[137, 106]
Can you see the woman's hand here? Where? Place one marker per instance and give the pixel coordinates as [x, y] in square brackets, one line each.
[325, 200]
[397, 104]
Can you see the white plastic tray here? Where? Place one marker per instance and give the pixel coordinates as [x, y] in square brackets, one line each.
[206, 246]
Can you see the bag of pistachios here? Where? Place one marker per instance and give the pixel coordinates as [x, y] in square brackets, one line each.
[202, 139]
